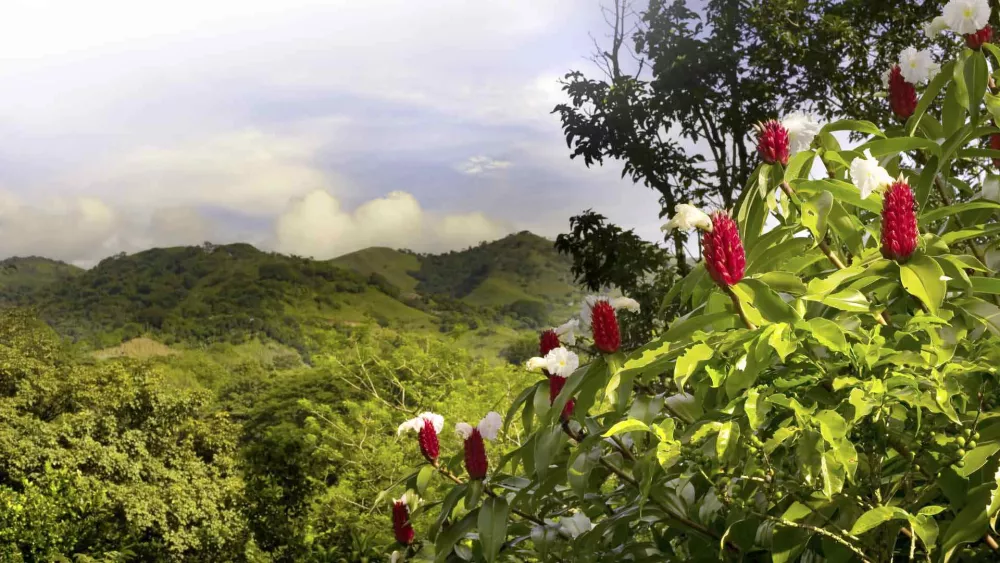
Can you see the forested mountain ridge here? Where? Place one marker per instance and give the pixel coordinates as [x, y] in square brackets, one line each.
[236, 292]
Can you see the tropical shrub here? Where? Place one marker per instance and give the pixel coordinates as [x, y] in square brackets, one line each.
[832, 394]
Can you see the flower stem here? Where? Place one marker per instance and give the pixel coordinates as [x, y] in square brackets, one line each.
[739, 308]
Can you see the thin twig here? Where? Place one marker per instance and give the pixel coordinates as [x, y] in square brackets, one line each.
[739, 308]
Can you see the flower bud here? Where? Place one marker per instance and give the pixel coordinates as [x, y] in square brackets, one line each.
[975, 40]
[401, 526]
[549, 341]
[723, 251]
[899, 222]
[604, 325]
[772, 142]
[428, 439]
[902, 94]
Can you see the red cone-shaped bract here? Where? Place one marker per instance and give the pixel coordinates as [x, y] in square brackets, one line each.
[995, 145]
[899, 222]
[902, 94]
[604, 326]
[548, 342]
[475, 455]
[428, 439]
[556, 384]
[976, 40]
[723, 251]
[401, 523]
[772, 142]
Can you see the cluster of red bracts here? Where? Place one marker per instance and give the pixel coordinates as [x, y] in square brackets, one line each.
[401, 526]
[604, 325]
[772, 143]
[556, 384]
[902, 94]
[995, 145]
[428, 439]
[723, 251]
[975, 40]
[476, 462]
[548, 342]
[899, 222]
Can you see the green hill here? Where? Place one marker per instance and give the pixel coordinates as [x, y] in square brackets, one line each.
[394, 265]
[22, 274]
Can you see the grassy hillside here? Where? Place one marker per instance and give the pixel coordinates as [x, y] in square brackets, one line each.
[33, 272]
[394, 265]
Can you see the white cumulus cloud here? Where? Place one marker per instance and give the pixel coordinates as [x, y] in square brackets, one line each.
[317, 225]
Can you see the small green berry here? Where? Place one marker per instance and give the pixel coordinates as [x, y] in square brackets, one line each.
[972, 444]
[967, 431]
[960, 441]
[961, 452]
[975, 436]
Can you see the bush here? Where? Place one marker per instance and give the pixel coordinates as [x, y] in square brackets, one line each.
[831, 397]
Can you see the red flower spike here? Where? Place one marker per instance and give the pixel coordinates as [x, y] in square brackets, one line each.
[995, 145]
[401, 526]
[902, 94]
[475, 456]
[899, 222]
[723, 251]
[604, 325]
[975, 40]
[556, 384]
[549, 341]
[428, 439]
[772, 142]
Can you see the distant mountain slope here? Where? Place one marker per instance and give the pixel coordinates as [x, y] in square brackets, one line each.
[395, 265]
[32, 272]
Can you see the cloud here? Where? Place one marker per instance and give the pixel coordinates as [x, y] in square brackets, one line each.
[317, 225]
[476, 165]
[68, 228]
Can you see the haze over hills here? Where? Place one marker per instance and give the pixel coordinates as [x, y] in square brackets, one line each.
[486, 295]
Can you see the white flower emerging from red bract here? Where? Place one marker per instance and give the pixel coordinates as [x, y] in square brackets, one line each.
[868, 175]
[687, 217]
[917, 66]
[617, 303]
[802, 129]
[934, 27]
[427, 426]
[567, 331]
[488, 427]
[476, 462]
[559, 361]
[966, 16]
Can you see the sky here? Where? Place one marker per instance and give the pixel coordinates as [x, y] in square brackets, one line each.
[302, 126]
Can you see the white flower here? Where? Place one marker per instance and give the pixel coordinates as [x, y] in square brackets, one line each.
[464, 430]
[409, 498]
[885, 78]
[934, 27]
[585, 307]
[536, 364]
[415, 424]
[867, 175]
[567, 331]
[966, 16]
[917, 66]
[991, 188]
[397, 557]
[687, 217]
[576, 524]
[490, 425]
[626, 303]
[802, 128]
[561, 362]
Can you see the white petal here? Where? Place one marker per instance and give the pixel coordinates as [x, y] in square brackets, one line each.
[536, 364]
[626, 303]
[576, 524]
[966, 16]
[687, 217]
[567, 331]
[436, 420]
[414, 424]
[396, 557]
[802, 129]
[561, 362]
[463, 430]
[934, 27]
[917, 66]
[868, 175]
[490, 425]
[991, 188]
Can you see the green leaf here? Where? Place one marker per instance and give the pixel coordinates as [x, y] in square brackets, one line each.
[961, 88]
[689, 362]
[876, 517]
[921, 277]
[976, 76]
[729, 433]
[783, 282]
[866, 127]
[930, 93]
[832, 426]
[493, 526]
[758, 295]
[815, 211]
[969, 525]
[629, 425]
[450, 501]
[685, 326]
[847, 300]
[447, 539]
[842, 191]
[977, 457]
[778, 438]
[829, 333]
[423, 478]
[981, 284]
[799, 165]
[949, 210]
[896, 145]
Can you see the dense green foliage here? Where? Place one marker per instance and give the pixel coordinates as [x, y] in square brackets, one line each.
[835, 400]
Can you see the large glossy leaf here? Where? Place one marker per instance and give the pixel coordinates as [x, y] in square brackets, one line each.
[757, 294]
[828, 333]
[493, 526]
[876, 517]
[921, 277]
